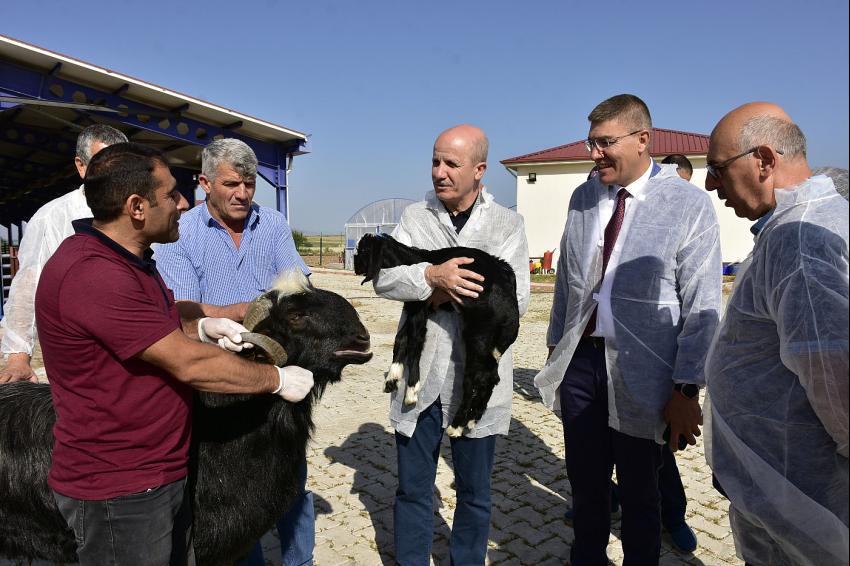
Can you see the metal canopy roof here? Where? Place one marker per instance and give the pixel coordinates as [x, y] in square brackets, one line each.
[47, 98]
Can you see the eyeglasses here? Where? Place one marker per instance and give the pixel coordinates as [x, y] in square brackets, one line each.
[714, 170]
[604, 143]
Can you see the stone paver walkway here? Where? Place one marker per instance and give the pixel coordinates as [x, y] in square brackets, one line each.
[353, 468]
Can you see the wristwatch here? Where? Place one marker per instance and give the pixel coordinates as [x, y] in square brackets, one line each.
[689, 390]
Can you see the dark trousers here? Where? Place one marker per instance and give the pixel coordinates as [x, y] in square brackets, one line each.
[592, 451]
[414, 500]
[674, 503]
[151, 528]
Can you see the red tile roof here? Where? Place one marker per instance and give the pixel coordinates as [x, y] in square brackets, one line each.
[664, 142]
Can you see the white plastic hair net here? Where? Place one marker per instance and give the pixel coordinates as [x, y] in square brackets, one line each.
[778, 381]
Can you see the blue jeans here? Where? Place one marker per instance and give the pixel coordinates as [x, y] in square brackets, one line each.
[153, 527]
[414, 501]
[297, 531]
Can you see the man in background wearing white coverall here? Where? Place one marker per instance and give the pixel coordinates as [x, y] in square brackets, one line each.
[778, 369]
[47, 228]
[458, 212]
[636, 304]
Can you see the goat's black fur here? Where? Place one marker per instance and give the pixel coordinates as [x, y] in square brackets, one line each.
[246, 448]
[490, 322]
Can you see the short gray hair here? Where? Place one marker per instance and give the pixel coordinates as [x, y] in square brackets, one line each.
[480, 148]
[785, 137]
[107, 135]
[235, 153]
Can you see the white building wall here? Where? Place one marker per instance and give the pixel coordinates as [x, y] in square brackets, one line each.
[544, 205]
[736, 240]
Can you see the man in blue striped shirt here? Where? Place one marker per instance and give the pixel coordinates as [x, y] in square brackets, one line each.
[230, 251]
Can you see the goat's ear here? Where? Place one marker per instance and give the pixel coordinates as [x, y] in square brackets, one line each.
[376, 255]
[364, 261]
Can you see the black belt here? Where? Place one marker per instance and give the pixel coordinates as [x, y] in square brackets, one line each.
[595, 341]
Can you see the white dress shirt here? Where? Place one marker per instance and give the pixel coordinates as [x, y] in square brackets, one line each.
[637, 190]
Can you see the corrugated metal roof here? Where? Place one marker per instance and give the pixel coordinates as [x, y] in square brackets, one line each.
[147, 93]
[664, 142]
[47, 98]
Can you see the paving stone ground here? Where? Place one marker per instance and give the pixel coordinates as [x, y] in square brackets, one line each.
[353, 469]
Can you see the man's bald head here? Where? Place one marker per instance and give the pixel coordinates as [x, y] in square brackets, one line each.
[457, 166]
[759, 123]
[734, 120]
[753, 151]
[468, 136]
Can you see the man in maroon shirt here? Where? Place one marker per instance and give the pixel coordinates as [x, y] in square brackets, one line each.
[122, 366]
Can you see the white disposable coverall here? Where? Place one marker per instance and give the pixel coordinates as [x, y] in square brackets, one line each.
[665, 297]
[44, 232]
[778, 382]
[499, 232]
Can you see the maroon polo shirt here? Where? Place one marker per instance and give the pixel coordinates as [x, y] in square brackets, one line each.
[122, 425]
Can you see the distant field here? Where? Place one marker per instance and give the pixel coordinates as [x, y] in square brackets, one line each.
[332, 247]
[335, 243]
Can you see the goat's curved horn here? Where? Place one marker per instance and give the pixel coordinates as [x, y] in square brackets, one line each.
[259, 310]
[271, 347]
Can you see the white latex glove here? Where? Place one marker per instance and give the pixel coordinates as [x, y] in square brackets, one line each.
[295, 383]
[224, 332]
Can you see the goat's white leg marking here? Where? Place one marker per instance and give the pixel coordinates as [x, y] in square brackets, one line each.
[471, 424]
[497, 354]
[454, 431]
[394, 376]
[411, 394]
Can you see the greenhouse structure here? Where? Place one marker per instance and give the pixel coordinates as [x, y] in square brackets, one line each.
[379, 217]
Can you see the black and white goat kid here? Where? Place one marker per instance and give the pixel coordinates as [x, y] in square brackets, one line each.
[246, 448]
[490, 322]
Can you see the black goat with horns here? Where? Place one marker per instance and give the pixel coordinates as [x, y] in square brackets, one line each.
[243, 469]
[490, 322]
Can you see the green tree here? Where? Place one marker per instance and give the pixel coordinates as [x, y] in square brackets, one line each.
[299, 238]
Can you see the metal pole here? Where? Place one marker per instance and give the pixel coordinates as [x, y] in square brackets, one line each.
[321, 249]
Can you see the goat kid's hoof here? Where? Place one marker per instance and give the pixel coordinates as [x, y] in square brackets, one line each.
[411, 395]
[393, 377]
[454, 431]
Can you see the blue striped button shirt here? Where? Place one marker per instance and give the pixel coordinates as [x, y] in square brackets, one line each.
[204, 265]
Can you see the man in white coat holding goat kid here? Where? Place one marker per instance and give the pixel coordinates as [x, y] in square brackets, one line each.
[459, 212]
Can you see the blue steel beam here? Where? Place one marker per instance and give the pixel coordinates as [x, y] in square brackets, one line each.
[50, 141]
[272, 157]
[28, 82]
[24, 166]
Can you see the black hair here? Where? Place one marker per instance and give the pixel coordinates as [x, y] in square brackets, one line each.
[117, 172]
[680, 161]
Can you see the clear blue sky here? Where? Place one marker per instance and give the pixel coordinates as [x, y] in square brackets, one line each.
[373, 83]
